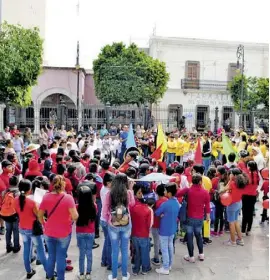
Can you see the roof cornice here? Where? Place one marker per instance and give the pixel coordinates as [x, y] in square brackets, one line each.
[207, 43]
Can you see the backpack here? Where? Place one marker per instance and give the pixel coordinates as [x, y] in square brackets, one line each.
[182, 215]
[8, 211]
[216, 196]
[120, 216]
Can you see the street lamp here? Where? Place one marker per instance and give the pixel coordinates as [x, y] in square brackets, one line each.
[240, 54]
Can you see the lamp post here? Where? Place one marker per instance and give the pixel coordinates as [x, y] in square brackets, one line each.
[240, 54]
[216, 120]
[252, 119]
[108, 106]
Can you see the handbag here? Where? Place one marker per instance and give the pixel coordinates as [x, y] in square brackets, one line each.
[37, 229]
[54, 208]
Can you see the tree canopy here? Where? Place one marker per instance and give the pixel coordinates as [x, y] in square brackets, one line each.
[256, 92]
[20, 63]
[127, 75]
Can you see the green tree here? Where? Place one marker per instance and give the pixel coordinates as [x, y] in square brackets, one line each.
[256, 92]
[20, 63]
[127, 75]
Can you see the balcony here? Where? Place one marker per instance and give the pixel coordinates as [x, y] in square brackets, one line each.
[203, 84]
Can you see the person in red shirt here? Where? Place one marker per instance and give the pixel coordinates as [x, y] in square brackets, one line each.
[61, 211]
[198, 200]
[249, 198]
[14, 131]
[141, 224]
[7, 168]
[33, 170]
[129, 161]
[85, 230]
[160, 189]
[27, 211]
[236, 187]
[16, 166]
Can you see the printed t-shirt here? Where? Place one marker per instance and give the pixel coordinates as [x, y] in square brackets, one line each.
[59, 224]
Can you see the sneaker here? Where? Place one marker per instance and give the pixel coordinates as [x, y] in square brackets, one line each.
[170, 268]
[68, 261]
[69, 268]
[189, 259]
[135, 273]
[248, 233]
[9, 249]
[32, 260]
[213, 233]
[126, 277]
[240, 242]
[31, 274]
[145, 272]
[38, 262]
[103, 265]
[155, 261]
[110, 277]
[162, 271]
[229, 243]
[96, 236]
[16, 250]
[81, 276]
[54, 275]
[95, 245]
[201, 257]
[88, 276]
[183, 241]
[221, 233]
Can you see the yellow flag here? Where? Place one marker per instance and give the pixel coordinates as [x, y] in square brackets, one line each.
[161, 139]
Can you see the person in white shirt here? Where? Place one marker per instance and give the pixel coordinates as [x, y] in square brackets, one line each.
[6, 134]
[258, 158]
[90, 149]
[98, 142]
[106, 146]
[183, 182]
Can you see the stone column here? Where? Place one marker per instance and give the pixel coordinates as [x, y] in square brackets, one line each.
[2, 107]
[36, 118]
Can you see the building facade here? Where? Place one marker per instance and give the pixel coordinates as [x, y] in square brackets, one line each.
[199, 74]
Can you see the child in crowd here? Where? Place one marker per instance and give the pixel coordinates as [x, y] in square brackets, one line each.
[160, 190]
[168, 212]
[141, 217]
[9, 215]
[265, 190]
[85, 230]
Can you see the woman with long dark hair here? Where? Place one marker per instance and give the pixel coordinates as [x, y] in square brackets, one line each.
[61, 211]
[236, 185]
[249, 198]
[85, 229]
[116, 213]
[27, 211]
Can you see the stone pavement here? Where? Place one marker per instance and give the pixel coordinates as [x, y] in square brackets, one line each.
[250, 262]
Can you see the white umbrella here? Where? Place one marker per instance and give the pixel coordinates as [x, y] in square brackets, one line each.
[155, 177]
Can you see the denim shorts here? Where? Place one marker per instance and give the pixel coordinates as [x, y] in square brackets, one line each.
[233, 211]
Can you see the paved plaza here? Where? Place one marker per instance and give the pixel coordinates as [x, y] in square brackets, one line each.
[250, 262]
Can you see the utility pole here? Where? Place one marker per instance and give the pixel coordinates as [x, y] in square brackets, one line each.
[240, 54]
[78, 69]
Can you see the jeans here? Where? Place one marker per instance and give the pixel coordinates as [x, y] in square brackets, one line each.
[206, 164]
[57, 251]
[264, 212]
[28, 239]
[106, 258]
[166, 245]
[155, 234]
[170, 158]
[12, 228]
[99, 206]
[142, 254]
[219, 215]
[145, 150]
[119, 235]
[85, 243]
[233, 211]
[248, 205]
[180, 159]
[194, 226]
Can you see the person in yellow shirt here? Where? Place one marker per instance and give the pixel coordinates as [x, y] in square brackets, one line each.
[250, 145]
[186, 145]
[171, 149]
[263, 147]
[179, 149]
[243, 143]
[234, 146]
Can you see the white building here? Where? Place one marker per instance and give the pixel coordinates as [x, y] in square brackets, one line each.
[199, 73]
[28, 13]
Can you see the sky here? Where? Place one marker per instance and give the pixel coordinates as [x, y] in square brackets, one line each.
[102, 22]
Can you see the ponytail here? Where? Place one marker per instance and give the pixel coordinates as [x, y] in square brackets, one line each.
[24, 187]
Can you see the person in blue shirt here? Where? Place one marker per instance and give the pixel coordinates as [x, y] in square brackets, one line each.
[123, 140]
[168, 212]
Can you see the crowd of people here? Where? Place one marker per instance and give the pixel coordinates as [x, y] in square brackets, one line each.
[91, 180]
